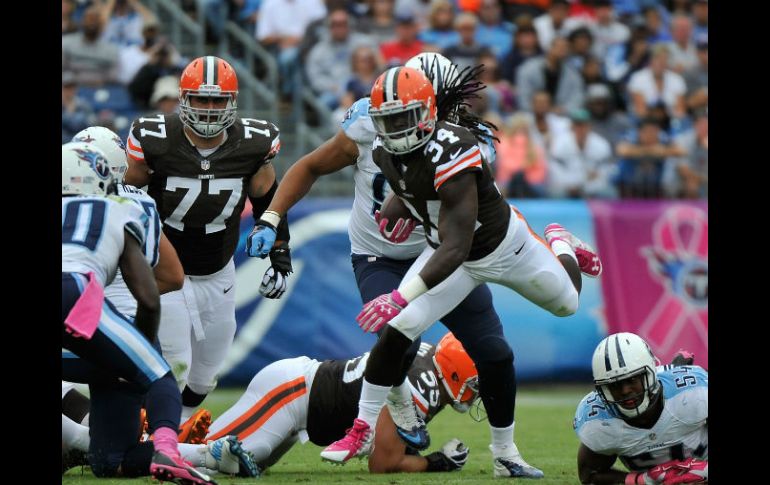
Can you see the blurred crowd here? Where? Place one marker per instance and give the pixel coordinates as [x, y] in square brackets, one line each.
[592, 98]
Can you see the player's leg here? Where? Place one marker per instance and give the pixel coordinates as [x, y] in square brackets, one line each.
[475, 323]
[524, 262]
[383, 368]
[377, 276]
[74, 434]
[215, 300]
[120, 349]
[175, 331]
[271, 411]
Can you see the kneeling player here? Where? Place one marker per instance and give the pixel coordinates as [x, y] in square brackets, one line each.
[303, 400]
[655, 419]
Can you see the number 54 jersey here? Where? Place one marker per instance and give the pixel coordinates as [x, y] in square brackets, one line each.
[200, 194]
[680, 433]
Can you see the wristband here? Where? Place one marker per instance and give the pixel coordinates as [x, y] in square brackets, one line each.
[413, 288]
[272, 218]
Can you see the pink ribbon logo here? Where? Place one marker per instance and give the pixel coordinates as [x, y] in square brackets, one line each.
[678, 260]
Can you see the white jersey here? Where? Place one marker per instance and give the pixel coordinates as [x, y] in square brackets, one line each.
[93, 233]
[680, 433]
[118, 292]
[371, 190]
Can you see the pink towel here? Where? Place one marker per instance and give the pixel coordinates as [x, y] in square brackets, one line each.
[84, 316]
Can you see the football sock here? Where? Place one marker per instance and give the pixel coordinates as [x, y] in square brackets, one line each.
[165, 440]
[164, 404]
[561, 246]
[401, 392]
[74, 435]
[195, 454]
[371, 401]
[502, 442]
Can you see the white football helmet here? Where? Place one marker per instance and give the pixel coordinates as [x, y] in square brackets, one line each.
[84, 170]
[440, 70]
[619, 357]
[111, 145]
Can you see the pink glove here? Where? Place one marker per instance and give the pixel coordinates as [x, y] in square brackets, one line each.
[401, 230]
[380, 311]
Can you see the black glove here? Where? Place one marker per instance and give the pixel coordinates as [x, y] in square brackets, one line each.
[274, 281]
[452, 456]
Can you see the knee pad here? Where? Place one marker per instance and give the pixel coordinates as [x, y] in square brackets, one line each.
[567, 304]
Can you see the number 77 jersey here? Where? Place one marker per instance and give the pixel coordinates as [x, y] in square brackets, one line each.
[200, 194]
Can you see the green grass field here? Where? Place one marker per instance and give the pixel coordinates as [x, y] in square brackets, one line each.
[543, 434]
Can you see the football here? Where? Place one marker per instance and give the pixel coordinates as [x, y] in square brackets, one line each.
[393, 209]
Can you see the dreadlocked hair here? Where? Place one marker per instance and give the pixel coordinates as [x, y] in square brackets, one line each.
[452, 103]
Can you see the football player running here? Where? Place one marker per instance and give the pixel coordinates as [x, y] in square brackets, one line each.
[654, 418]
[100, 234]
[439, 173]
[381, 257]
[200, 166]
[303, 400]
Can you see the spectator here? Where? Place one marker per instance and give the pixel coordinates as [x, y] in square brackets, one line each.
[683, 56]
[580, 163]
[591, 71]
[700, 15]
[124, 20]
[607, 30]
[280, 29]
[68, 24]
[92, 60]
[380, 24]
[525, 47]
[76, 113]
[643, 157]
[467, 50]
[580, 46]
[247, 15]
[693, 170]
[697, 81]
[492, 31]
[552, 74]
[606, 121]
[164, 61]
[133, 57]
[621, 62]
[554, 23]
[532, 8]
[328, 64]
[365, 66]
[547, 123]
[165, 95]
[521, 165]
[653, 20]
[406, 45]
[655, 84]
[441, 33]
[498, 95]
[420, 9]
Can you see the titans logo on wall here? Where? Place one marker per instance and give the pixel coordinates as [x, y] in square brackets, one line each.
[678, 260]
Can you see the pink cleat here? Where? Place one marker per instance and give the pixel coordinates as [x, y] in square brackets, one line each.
[357, 442]
[588, 260]
[168, 468]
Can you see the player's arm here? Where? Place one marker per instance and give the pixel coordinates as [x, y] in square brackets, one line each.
[169, 274]
[596, 469]
[140, 281]
[138, 173]
[456, 223]
[332, 156]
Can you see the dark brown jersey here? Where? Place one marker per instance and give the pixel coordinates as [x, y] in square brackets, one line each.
[200, 198]
[416, 178]
[336, 389]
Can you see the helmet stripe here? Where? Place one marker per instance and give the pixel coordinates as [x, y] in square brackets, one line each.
[386, 85]
[607, 365]
[621, 360]
[211, 70]
[395, 83]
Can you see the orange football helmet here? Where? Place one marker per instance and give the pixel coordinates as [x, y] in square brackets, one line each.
[403, 109]
[457, 371]
[208, 77]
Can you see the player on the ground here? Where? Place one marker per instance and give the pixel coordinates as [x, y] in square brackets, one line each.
[200, 166]
[653, 418]
[100, 234]
[302, 399]
[439, 173]
[381, 258]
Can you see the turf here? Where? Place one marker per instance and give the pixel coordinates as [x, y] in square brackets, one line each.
[543, 434]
